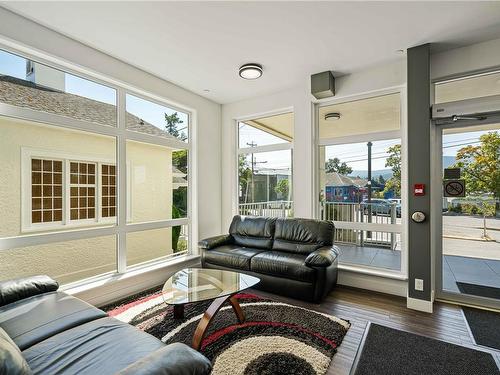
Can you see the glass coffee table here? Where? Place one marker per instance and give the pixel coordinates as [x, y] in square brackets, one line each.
[193, 285]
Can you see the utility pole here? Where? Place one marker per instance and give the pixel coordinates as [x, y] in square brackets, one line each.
[253, 144]
[369, 144]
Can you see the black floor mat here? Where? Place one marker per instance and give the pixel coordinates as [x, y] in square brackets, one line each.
[388, 351]
[485, 326]
[479, 290]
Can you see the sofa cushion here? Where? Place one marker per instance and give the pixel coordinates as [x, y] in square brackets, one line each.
[176, 358]
[36, 318]
[283, 264]
[253, 231]
[102, 346]
[302, 236]
[17, 289]
[11, 360]
[231, 256]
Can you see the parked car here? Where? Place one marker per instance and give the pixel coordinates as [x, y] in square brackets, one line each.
[381, 206]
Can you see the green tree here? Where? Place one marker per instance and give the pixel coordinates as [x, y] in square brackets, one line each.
[394, 162]
[480, 165]
[173, 121]
[283, 188]
[180, 160]
[245, 176]
[176, 231]
[381, 180]
[334, 165]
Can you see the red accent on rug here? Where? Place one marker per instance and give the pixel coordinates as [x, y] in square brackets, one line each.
[124, 308]
[216, 335]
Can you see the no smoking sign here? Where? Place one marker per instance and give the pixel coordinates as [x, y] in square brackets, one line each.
[454, 188]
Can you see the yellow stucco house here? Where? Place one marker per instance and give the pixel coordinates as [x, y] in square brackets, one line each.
[54, 179]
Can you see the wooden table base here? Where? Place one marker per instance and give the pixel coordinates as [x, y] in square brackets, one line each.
[209, 315]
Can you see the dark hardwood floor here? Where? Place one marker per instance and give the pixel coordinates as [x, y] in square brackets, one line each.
[447, 323]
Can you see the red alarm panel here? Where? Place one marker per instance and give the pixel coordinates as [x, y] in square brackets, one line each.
[419, 189]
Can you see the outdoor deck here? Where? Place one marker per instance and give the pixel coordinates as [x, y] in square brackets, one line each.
[455, 268]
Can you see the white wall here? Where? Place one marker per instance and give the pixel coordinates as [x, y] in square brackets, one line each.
[31, 37]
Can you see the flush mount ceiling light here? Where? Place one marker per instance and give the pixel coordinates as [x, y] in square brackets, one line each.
[250, 71]
[332, 116]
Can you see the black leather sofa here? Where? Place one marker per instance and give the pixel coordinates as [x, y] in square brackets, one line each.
[43, 331]
[292, 257]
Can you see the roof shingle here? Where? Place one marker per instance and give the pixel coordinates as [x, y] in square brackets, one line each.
[21, 93]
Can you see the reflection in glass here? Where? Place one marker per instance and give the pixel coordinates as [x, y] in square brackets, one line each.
[196, 284]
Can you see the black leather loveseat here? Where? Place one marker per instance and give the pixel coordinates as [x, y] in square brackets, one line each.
[292, 257]
[43, 331]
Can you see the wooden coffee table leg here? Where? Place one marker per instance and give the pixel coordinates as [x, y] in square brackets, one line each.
[178, 311]
[209, 316]
[237, 309]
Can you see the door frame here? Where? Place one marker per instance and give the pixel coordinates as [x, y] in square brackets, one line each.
[437, 217]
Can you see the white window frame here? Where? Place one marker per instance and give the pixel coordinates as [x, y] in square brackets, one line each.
[121, 135]
[281, 146]
[402, 274]
[28, 153]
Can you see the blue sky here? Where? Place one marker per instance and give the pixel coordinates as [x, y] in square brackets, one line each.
[153, 113]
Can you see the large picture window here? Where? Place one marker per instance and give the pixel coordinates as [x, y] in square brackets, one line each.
[360, 167]
[88, 187]
[265, 166]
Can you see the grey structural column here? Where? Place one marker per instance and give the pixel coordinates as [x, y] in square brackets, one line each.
[419, 169]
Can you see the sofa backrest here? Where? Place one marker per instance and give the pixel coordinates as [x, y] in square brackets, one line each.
[302, 236]
[253, 231]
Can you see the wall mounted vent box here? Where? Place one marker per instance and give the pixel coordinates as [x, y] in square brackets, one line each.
[323, 85]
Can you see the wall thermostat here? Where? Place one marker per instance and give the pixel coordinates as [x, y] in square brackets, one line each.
[418, 217]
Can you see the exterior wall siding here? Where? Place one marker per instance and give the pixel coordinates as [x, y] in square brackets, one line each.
[150, 169]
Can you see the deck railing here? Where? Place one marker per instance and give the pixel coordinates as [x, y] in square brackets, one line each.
[338, 211]
[363, 213]
[272, 208]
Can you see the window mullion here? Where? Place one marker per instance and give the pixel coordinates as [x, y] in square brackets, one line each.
[121, 164]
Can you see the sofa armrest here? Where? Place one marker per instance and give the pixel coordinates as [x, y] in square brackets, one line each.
[17, 289]
[216, 241]
[323, 257]
[173, 359]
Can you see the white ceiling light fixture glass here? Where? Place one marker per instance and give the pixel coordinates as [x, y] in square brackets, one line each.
[332, 116]
[250, 71]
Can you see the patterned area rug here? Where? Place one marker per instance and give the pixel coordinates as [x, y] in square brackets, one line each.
[276, 338]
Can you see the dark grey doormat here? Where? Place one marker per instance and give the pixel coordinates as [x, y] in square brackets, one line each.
[484, 325]
[388, 351]
[479, 290]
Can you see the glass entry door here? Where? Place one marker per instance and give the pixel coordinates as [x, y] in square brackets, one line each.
[469, 243]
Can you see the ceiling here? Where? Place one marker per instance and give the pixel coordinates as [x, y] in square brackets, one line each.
[200, 45]
[372, 115]
[278, 125]
[468, 88]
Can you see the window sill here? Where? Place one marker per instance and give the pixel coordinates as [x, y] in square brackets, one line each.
[68, 227]
[94, 283]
